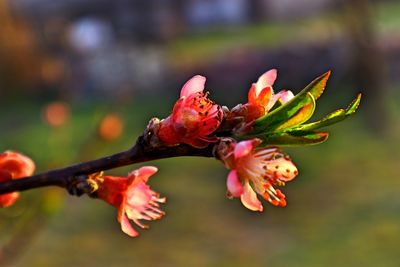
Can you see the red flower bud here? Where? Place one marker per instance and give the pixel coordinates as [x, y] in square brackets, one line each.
[13, 165]
[261, 98]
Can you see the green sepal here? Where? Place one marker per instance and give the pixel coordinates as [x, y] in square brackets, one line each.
[334, 117]
[280, 115]
[298, 138]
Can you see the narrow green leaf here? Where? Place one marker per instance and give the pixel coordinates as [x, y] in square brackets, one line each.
[354, 105]
[276, 105]
[280, 115]
[294, 139]
[332, 118]
[303, 115]
[319, 85]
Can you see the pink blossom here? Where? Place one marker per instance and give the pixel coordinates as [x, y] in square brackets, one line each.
[194, 117]
[261, 98]
[133, 198]
[13, 165]
[256, 171]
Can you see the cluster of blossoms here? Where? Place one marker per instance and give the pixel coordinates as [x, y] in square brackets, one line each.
[245, 138]
[253, 169]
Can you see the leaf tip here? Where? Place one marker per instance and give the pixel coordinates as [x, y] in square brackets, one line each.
[320, 84]
[328, 73]
[323, 134]
[354, 104]
[325, 77]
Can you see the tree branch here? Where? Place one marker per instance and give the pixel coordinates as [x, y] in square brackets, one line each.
[69, 176]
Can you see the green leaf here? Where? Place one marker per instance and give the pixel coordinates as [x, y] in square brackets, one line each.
[319, 84]
[354, 105]
[303, 115]
[279, 116]
[334, 117]
[299, 138]
[277, 104]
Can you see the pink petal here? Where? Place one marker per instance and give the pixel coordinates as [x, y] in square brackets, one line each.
[244, 148]
[147, 171]
[142, 173]
[252, 94]
[284, 96]
[139, 195]
[17, 164]
[126, 226]
[264, 96]
[194, 85]
[233, 184]
[265, 80]
[249, 199]
[211, 122]
[284, 169]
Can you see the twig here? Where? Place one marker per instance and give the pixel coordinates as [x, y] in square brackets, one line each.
[68, 177]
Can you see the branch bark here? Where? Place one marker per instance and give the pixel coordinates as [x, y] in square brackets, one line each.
[69, 176]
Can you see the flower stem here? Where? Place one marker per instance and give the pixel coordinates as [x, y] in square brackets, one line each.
[69, 176]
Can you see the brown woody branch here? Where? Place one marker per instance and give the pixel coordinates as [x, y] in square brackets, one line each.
[69, 177]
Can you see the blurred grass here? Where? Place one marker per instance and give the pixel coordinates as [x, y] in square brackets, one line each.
[343, 208]
[198, 48]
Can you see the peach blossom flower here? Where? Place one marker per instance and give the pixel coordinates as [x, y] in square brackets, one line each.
[133, 198]
[261, 98]
[13, 165]
[194, 117]
[257, 170]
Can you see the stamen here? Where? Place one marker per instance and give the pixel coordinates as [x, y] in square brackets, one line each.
[143, 226]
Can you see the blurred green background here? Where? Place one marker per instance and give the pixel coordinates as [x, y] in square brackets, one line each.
[80, 79]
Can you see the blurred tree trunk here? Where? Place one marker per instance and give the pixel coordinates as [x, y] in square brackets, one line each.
[368, 65]
[256, 10]
[19, 60]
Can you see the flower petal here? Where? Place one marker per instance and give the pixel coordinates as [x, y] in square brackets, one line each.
[7, 200]
[126, 226]
[284, 169]
[138, 196]
[249, 199]
[233, 184]
[264, 97]
[266, 80]
[17, 164]
[141, 175]
[284, 96]
[147, 171]
[252, 94]
[243, 148]
[194, 85]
